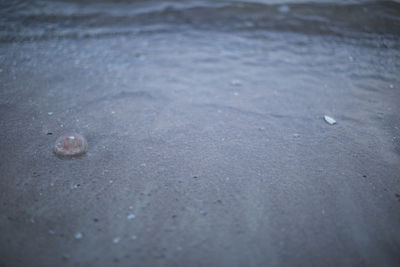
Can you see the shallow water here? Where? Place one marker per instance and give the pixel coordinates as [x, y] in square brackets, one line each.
[205, 119]
[24, 21]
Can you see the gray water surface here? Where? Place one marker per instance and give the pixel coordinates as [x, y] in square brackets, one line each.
[204, 120]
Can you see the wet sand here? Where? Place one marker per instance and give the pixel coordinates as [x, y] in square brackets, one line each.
[205, 148]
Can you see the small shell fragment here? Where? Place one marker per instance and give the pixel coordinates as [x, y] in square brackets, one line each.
[329, 120]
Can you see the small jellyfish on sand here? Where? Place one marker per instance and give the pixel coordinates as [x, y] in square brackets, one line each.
[70, 145]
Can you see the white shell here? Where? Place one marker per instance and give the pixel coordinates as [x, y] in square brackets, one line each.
[329, 120]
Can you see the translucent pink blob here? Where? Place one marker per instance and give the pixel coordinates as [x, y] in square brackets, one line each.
[70, 145]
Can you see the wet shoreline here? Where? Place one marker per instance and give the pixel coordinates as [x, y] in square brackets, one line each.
[207, 144]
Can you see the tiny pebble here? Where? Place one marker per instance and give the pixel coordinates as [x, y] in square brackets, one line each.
[236, 83]
[131, 216]
[78, 235]
[52, 232]
[50, 113]
[133, 237]
[75, 186]
[284, 9]
[116, 240]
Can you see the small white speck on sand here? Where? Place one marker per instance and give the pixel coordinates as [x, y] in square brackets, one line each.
[284, 9]
[52, 232]
[133, 237]
[50, 113]
[236, 83]
[131, 216]
[116, 240]
[78, 235]
[75, 186]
